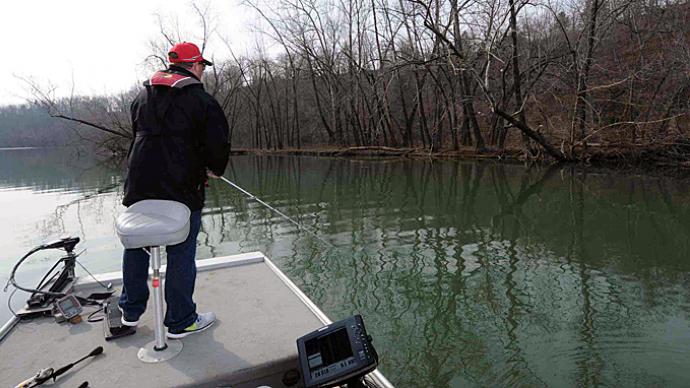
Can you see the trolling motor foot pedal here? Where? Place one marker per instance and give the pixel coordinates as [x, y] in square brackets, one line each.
[112, 324]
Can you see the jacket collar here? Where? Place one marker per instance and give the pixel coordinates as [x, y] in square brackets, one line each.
[182, 71]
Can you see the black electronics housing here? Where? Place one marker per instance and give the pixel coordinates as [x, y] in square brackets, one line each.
[112, 325]
[340, 353]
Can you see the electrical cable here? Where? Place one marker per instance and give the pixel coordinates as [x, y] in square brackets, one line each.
[257, 199]
[87, 302]
[12, 281]
[9, 303]
[90, 318]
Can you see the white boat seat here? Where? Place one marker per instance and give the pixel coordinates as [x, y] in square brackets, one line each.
[153, 223]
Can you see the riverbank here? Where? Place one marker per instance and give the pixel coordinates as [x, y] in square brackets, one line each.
[464, 152]
[662, 155]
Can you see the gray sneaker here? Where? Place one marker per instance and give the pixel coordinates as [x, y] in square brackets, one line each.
[203, 322]
[126, 322]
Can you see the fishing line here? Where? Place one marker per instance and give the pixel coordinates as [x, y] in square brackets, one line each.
[257, 199]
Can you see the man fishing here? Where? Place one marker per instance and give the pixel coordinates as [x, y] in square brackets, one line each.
[180, 140]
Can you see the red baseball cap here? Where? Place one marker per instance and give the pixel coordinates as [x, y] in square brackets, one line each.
[186, 52]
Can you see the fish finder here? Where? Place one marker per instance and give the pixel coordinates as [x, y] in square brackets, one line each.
[336, 354]
[69, 307]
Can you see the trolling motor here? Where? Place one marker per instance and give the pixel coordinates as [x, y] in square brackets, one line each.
[56, 288]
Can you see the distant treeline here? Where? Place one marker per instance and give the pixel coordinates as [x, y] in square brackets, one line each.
[30, 126]
[100, 122]
[556, 79]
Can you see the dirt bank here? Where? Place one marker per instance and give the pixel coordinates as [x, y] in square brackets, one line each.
[672, 155]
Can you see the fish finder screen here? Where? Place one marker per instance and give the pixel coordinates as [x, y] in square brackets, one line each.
[67, 304]
[328, 349]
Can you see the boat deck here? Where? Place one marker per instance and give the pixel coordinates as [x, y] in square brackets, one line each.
[260, 315]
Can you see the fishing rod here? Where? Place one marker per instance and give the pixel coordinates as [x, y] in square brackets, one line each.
[46, 374]
[257, 199]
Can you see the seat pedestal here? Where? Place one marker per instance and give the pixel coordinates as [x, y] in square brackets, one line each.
[157, 350]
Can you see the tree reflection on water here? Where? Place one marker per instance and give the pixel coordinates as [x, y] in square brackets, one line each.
[467, 273]
[480, 273]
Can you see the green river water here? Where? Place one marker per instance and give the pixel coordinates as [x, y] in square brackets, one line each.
[467, 273]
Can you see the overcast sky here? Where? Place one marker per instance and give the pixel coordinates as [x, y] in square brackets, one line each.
[102, 44]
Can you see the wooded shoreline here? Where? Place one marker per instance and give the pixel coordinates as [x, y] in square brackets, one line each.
[664, 156]
[578, 82]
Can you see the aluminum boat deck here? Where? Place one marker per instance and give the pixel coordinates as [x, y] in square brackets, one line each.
[260, 314]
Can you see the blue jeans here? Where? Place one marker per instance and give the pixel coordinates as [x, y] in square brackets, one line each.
[180, 276]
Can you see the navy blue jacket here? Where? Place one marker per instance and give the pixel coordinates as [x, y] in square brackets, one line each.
[180, 131]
